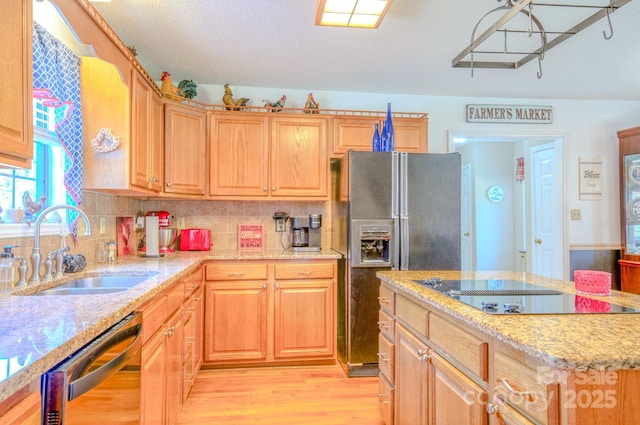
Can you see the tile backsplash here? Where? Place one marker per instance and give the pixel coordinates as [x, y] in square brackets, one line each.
[221, 217]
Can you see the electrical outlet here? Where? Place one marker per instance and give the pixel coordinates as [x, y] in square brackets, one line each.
[576, 214]
[103, 226]
[180, 223]
[280, 225]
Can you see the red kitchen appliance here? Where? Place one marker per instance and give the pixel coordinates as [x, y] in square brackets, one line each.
[164, 218]
[195, 240]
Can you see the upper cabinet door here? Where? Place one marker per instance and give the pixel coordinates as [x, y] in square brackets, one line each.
[239, 150]
[16, 68]
[299, 163]
[185, 150]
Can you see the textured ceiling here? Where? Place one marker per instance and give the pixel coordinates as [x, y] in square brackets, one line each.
[275, 44]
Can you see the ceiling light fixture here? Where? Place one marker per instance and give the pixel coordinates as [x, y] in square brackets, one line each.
[351, 13]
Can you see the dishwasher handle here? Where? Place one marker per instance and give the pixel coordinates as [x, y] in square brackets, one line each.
[80, 383]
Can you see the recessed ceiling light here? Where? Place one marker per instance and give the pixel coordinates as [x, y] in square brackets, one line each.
[351, 13]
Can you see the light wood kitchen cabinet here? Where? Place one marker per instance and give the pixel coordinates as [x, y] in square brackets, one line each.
[257, 156]
[411, 379]
[304, 310]
[454, 398]
[299, 166]
[287, 311]
[356, 133]
[185, 158]
[16, 51]
[147, 125]
[161, 358]
[387, 354]
[236, 312]
[239, 155]
[26, 411]
[193, 324]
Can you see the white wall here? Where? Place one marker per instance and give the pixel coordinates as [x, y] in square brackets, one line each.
[587, 127]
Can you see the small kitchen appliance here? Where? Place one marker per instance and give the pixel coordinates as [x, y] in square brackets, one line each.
[167, 238]
[195, 240]
[305, 233]
[164, 218]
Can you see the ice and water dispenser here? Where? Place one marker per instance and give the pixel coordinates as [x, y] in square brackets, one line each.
[372, 239]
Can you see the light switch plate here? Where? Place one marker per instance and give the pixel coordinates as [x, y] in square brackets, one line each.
[103, 225]
[576, 214]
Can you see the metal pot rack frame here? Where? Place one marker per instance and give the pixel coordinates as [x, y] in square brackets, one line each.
[516, 7]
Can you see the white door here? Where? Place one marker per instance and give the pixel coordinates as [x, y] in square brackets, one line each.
[546, 230]
[466, 242]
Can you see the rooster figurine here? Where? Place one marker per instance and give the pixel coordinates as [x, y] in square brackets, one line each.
[311, 106]
[168, 87]
[275, 107]
[31, 208]
[232, 105]
[189, 88]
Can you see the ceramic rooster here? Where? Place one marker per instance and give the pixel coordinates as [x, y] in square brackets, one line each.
[168, 87]
[277, 106]
[230, 102]
[189, 88]
[31, 208]
[311, 106]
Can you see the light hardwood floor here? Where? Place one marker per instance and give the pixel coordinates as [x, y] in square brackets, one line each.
[287, 395]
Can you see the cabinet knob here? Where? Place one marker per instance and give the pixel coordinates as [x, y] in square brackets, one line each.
[264, 188]
[492, 408]
[424, 356]
[169, 184]
[273, 188]
[277, 286]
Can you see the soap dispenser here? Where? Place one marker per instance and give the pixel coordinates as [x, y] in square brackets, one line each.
[6, 269]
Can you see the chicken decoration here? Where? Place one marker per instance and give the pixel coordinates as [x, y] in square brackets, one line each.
[232, 105]
[311, 106]
[31, 208]
[277, 106]
[168, 87]
[189, 88]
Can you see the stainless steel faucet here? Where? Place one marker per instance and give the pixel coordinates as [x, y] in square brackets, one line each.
[36, 257]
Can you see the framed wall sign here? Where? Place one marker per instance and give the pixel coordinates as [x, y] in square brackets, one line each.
[590, 178]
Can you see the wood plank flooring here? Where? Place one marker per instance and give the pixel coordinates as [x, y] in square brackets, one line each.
[287, 395]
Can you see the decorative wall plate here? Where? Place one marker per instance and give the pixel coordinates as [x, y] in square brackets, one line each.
[495, 193]
[634, 209]
[105, 141]
[634, 173]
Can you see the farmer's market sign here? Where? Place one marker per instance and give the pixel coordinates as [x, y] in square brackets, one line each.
[525, 114]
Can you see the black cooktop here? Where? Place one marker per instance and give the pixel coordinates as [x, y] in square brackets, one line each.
[504, 296]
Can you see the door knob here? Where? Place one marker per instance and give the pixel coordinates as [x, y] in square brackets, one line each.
[538, 241]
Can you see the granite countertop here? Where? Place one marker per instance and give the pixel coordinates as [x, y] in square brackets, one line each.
[565, 341]
[37, 332]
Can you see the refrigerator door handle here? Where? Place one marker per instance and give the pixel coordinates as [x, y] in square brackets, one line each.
[404, 211]
[395, 213]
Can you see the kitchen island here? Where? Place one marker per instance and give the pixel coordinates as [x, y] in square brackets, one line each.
[513, 368]
[37, 332]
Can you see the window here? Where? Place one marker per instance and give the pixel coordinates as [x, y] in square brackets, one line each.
[44, 182]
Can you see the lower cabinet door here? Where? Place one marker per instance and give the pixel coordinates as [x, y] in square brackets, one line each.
[152, 380]
[411, 380]
[455, 399]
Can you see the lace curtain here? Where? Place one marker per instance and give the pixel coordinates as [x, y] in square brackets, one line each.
[56, 79]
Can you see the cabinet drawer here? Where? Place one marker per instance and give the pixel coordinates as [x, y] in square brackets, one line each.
[154, 313]
[412, 314]
[519, 383]
[175, 297]
[386, 394]
[386, 357]
[236, 271]
[304, 271]
[386, 323]
[469, 350]
[387, 299]
[507, 415]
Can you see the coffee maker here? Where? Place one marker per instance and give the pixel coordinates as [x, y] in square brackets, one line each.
[305, 233]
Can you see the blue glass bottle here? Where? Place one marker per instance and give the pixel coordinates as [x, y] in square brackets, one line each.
[387, 129]
[375, 143]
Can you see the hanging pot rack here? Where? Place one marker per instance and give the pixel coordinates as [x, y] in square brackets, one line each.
[548, 39]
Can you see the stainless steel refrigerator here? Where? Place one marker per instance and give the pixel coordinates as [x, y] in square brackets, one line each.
[395, 211]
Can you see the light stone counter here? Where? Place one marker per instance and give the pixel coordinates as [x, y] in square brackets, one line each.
[565, 341]
[37, 332]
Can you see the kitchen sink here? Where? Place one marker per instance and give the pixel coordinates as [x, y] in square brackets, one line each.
[96, 285]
